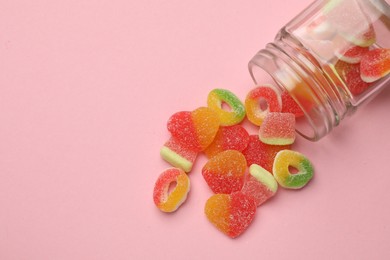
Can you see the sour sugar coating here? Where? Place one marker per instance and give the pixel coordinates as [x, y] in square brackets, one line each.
[231, 213]
[225, 172]
[350, 73]
[178, 155]
[260, 101]
[215, 101]
[260, 153]
[260, 184]
[228, 138]
[196, 129]
[290, 106]
[278, 129]
[286, 159]
[375, 65]
[352, 55]
[170, 201]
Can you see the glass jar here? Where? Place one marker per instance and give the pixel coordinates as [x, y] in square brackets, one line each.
[316, 57]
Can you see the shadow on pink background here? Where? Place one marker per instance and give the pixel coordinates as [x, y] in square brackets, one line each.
[86, 88]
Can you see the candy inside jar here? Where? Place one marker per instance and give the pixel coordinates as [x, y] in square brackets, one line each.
[331, 58]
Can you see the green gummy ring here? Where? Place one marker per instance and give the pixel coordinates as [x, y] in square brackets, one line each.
[227, 118]
[286, 158]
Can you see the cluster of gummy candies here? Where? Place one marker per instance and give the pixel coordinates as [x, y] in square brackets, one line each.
[219, 134]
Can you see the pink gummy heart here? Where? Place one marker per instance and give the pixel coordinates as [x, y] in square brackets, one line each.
[231, 213]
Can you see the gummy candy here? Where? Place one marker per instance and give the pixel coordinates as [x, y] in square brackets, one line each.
[290, 106]
[230, 213]
[350, 21]
[375, 64]
[350, 73]
[288, 158]
[253, 103]
[260, 153]
[215, 100]
[196, 129]
[352, 55]
[278, 129]
[261, 184]
[228, 138]
[170, 201]
[225, 172]
[178, 155]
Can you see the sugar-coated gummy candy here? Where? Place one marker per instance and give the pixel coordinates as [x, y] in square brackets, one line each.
[260, 184]
[228, 138]
[230, 213]
[350, 21]
[178, 155]
[351, 55]
[286, 159]
[196, 129]
[375, 65]
[260, 153]
[215, 101]
[278, 129]
[225, 172]
[350, 74]
[290, 106]
[260, 101]
[170, 201]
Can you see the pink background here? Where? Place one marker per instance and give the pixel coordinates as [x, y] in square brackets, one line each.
[86, 88]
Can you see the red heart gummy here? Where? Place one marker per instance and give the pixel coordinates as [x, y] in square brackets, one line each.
[225, 172]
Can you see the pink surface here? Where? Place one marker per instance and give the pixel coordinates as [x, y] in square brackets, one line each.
[86, 88]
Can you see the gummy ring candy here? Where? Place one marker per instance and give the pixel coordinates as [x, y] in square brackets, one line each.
[169, 202]
[215, 100]
[253, 100]
[286, 158]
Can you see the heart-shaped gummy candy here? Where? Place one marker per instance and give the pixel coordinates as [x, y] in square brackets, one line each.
[231, 213]
[196, 129]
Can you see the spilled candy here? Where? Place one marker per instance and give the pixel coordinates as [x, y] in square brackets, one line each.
[225, 172]
[170, 201]
[286, 159]
[215, 101]
[196, 129]
[260, 153]
[261, 184]
[278, 129]
[178, 155]
[228, 138]
[260, 101]
[230, 213]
